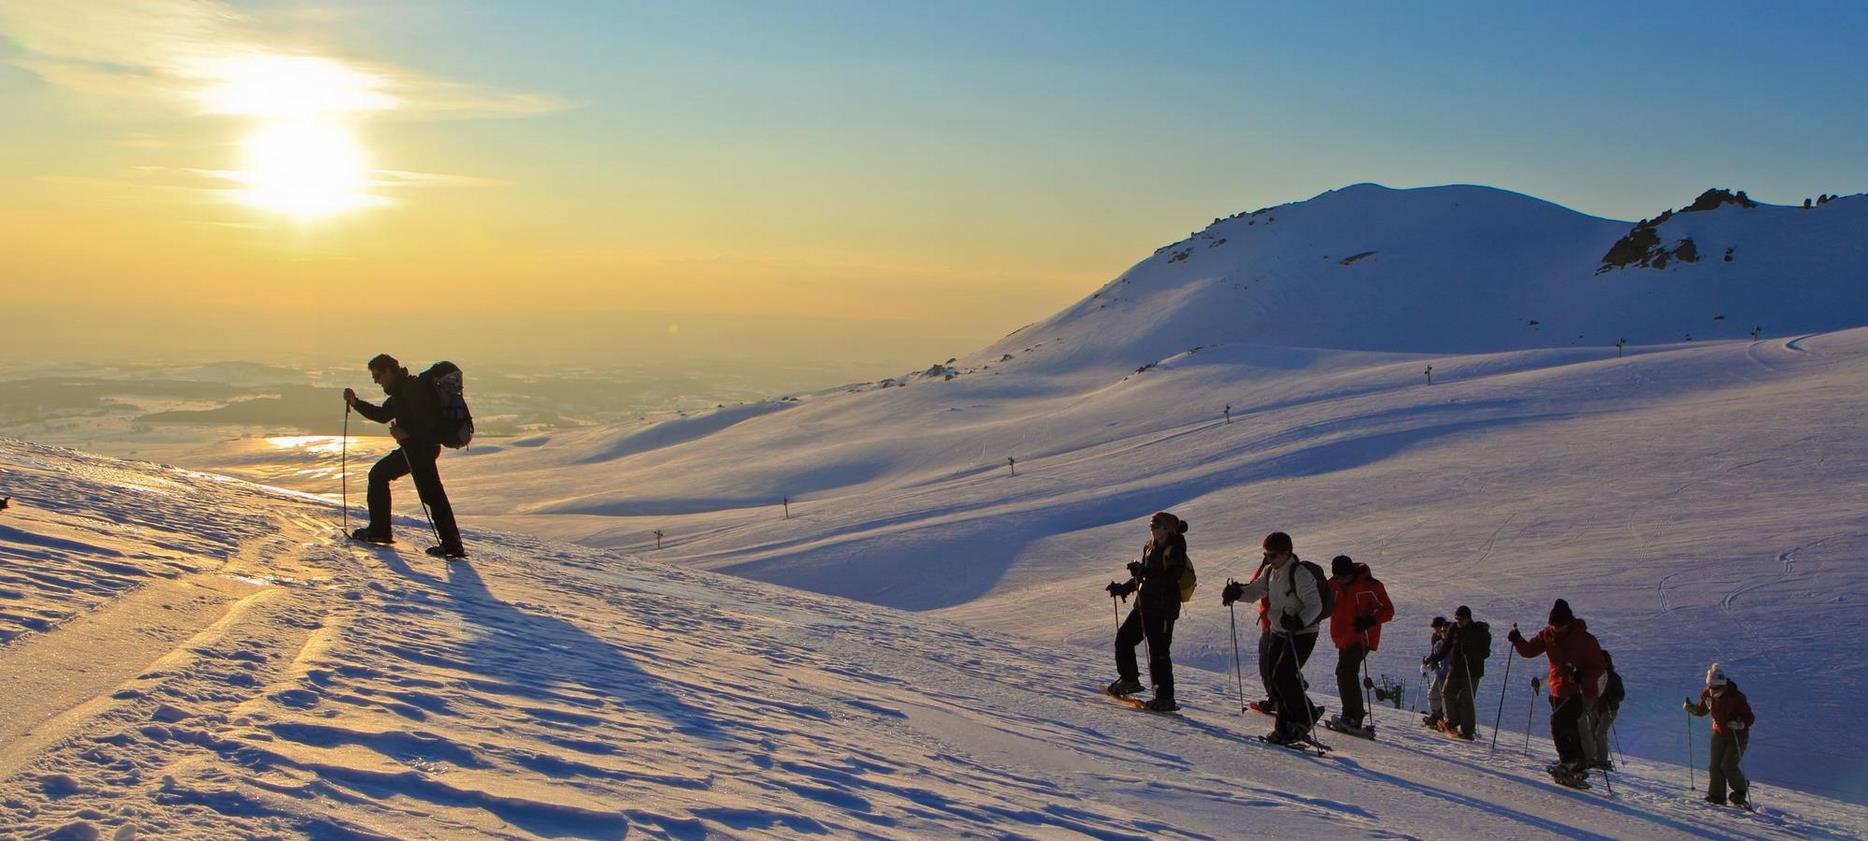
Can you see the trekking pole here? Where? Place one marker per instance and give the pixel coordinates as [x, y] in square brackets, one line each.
[1530, 711]
[1118, 612]
[1691, 785]
[1368, 686]
[1619, 750]
[1309, 713]
[343, 468]
[1238, 671]
[1498, 719]
[418, 495]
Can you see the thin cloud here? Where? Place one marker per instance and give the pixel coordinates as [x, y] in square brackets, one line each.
[206, 57]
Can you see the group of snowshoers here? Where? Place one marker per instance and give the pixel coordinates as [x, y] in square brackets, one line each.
[1295, 598]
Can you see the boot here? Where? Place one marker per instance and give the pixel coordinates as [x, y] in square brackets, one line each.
[366, 536]
[1163, 703]
[1124, 686]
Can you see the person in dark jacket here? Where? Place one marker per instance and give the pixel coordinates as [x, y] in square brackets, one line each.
[1362, 606]
[1157, 577]
[1607, 706]
[1468, 644]
[1439, 660]
[1576, 679]
[1731, 735]
[413, 412]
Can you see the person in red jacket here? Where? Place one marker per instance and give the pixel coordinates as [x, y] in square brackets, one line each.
[1731, 734]
[1577, 678]
[1362, 606]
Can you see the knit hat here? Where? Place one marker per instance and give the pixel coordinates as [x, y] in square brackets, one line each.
[1173, 524]
[1278, 541]
[1463, 612]
[1715, 676]
[1342, 565]
[1560, 613]
[1439, 622]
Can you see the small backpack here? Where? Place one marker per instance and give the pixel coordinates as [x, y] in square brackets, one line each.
[1325, 593]
[1187, 582]
[456, 420]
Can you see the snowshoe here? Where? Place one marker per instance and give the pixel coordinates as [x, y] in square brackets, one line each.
[1304, 743]
[1124, 686]
[1360, 731]
[1265, 707]
[1714, 800]
[1565, 776]
[364, 535]
[1741, 801]
[454, 554]
[1431, 722]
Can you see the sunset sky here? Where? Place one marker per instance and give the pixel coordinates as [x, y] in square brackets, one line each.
[885, 181]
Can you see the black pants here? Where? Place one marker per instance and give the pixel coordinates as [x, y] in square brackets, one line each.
[1288, 653]
[1158, 630]
[1566, 715]
[1460, 690]
[1265, 659]
[1349, 681]
[419, 462]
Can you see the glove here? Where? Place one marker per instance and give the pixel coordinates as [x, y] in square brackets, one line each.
[1514, 636]
[1687, 705]
[1426, 661]
[1120, 589]
[1234, 590]
[1136, 569]
[1364, 623]
[1290, 623]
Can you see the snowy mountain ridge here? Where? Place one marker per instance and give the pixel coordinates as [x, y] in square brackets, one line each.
[1459, 269]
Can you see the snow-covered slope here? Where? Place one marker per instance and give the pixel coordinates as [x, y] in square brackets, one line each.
[200, 658]
[1696, 501]
[1458, 269]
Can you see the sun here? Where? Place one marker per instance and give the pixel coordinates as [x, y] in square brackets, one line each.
[307, 168]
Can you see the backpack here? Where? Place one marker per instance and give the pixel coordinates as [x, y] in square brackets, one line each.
[1187, 582]
[1325, 593]
[455, 426]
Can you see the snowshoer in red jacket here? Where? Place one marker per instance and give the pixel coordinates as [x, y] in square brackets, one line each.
[1731, 734]
[1577, 678]
[1362, 606]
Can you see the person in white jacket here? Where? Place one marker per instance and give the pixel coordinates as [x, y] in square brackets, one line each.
[1294, 607]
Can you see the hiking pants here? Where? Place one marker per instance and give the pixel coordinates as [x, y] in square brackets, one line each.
[1287, 675]
[1349, 681]
[1723, 771]
[1436, 695]
[421, 458]
[1456, 698]
[1266, 658]
[1158, 631]
[1566, 716]
[1604, 719]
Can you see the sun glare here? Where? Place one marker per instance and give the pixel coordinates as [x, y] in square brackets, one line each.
[306, 168]
[303, 159]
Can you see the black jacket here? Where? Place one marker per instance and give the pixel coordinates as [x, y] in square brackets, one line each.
[1613, 696]
[413, 405]
[1162, 565]
[1465, 650]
